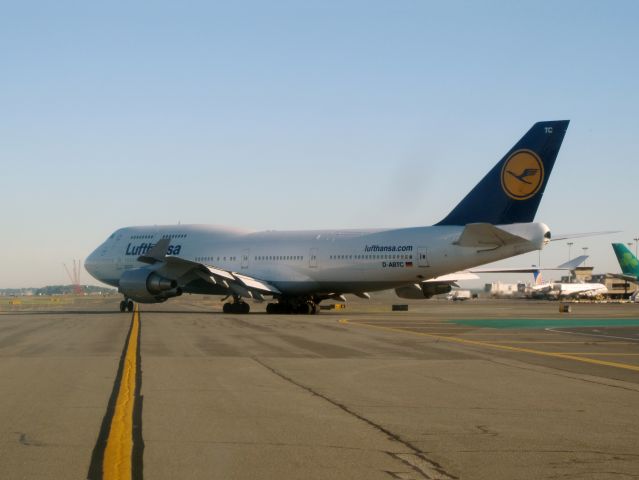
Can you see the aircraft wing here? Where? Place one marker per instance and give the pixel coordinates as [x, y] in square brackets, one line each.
[184, 271]
[568, 236]
[453, 277]
[486, 235]
[570, 265]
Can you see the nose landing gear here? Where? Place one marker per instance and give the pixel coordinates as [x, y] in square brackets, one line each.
[126, 305]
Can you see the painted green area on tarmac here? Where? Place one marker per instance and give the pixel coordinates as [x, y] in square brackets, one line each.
[547, 322]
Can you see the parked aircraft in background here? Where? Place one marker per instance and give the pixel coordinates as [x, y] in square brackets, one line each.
[629, 266]
[552, 290]
[299, 269]
[627, 261]
[562, 290]
[578, 290]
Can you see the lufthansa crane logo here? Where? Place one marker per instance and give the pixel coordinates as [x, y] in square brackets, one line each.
[522, 175]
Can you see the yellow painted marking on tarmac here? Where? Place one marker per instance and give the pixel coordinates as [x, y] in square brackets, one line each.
[467, 341]
[117, 454]
[571, 343]
[609, 354]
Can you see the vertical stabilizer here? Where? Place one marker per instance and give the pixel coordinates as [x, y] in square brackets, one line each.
[511, 191]
[537, 277]
[627, 260]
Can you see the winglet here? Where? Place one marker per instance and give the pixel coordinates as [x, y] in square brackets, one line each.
[512, 190]
[572, 264]
[157, 252]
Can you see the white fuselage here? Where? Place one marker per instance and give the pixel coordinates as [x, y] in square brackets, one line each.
[303, 262]
[559, 290]
[579, 289]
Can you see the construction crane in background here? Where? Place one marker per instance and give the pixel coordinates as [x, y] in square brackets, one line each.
[74, 276]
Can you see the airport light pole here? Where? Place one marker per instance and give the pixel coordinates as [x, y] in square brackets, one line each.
[636, 239]
[585, 249]
[570, 244]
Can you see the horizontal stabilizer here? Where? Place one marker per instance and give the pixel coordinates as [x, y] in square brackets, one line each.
[485, 235]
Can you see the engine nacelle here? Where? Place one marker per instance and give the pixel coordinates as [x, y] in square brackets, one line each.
[413, 292]
[146, 286]
[419, 291]
[435, 288]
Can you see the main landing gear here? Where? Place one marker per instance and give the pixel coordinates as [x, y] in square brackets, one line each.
[126, 305]
[237, 306]
[284, 305]
[293, 306]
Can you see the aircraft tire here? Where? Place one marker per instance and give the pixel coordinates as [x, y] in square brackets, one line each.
[123, 306]
[238, 308]
[304, 309]
[129, 305]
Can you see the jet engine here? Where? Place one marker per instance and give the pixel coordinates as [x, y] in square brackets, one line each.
[418, 291]
[145, 286]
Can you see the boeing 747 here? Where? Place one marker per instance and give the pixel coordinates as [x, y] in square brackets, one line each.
[299, 269]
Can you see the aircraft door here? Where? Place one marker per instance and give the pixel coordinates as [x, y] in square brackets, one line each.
[245, 258]
[422, 257]
[313, 257]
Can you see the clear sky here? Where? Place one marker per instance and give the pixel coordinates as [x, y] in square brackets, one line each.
[300, 115]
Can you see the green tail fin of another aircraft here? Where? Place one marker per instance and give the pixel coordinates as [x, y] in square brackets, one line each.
[627, 260]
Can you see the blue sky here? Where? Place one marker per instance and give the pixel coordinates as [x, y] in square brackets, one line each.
[295, 115]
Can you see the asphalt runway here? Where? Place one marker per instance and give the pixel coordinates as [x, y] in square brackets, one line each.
[472, 390]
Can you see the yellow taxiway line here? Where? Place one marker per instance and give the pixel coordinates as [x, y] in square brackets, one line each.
[119, 446]
[466, 341]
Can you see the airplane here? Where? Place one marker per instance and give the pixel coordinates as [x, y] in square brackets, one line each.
[300, 269]
[627, 261]
[552, 290]
[629, 267]
[562, 290]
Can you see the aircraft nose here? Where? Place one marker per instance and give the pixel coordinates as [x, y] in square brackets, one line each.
[90, 262]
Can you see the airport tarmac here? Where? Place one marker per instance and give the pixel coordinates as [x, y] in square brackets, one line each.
[472, 390]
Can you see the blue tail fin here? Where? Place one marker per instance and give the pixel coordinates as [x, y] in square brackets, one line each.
[537, 277]
[511, 191]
